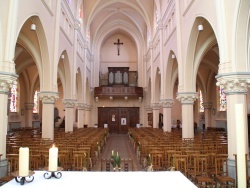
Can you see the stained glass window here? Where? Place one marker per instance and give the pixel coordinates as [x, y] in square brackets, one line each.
[201, 101]
[35, 108]
[13, 99]
[223, 100]
[80, 13]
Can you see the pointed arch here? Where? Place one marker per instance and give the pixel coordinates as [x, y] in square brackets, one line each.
[198, 45]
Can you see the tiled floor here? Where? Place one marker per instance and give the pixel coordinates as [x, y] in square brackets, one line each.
[119, 143]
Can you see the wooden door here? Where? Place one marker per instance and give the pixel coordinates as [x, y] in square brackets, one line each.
[134, 116]
[113, 120]
[102, 117]
[124, 120]
[118, 119]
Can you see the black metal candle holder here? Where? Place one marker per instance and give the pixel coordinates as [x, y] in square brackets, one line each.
[22, 179]
[54, 174]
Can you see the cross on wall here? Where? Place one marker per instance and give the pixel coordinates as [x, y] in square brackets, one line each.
[118, 43]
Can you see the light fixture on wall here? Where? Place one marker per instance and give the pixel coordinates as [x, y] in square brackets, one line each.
[111, 98]
[126, 99]
[33, 27]
[173, 56]
[200, 27]
[140, 99]
[96, 99]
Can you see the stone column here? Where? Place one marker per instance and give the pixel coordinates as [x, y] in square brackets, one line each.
[207, 111]
[187, 100]
[6, 83]
[236, 91]
[155, 107]
[80, 116]
[69, 114]
[167, 117]
[88, 108]
[28, 114]
[48, 100]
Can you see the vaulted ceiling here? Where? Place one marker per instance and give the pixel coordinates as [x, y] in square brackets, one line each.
[100, 15]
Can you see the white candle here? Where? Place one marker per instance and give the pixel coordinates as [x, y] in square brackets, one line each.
[53, 158]
[240, 144]
[23, 161]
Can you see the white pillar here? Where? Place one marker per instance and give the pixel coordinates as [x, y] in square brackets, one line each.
[6, 82]
[3, 122]
[187, 100]
[80, 115]
[9, 39]
[240, 122]
[155, 107]
[69, 114]
[48, 100]
[167, 115]
[88, 108]
[28, 114]
[236, 90]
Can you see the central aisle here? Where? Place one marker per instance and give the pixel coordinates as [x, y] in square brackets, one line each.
[119, 143]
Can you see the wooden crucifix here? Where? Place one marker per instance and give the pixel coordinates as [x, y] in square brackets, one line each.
[118, 43]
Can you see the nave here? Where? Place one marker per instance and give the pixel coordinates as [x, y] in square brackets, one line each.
[148, 149]
[119, 143]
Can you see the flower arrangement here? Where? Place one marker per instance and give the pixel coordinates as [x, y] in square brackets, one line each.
[149, 159]
[84, 162]
[149, 163]
[115, 160]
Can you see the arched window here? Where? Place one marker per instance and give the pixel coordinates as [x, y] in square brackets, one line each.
[35, 108]
[13, 99]
[201, 102]
[80, 16]
[222, 99]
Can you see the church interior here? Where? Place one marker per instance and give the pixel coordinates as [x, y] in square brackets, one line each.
[128, 86]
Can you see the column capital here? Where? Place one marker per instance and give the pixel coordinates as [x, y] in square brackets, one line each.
[48, 97]
[29, 105]
[207, 105]
[80, 106]
[187, 97]
[148, 108]
[7, 80]
[155, 106]
[234, 84]
[88, 107]
[167, 103]
[69, 103]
